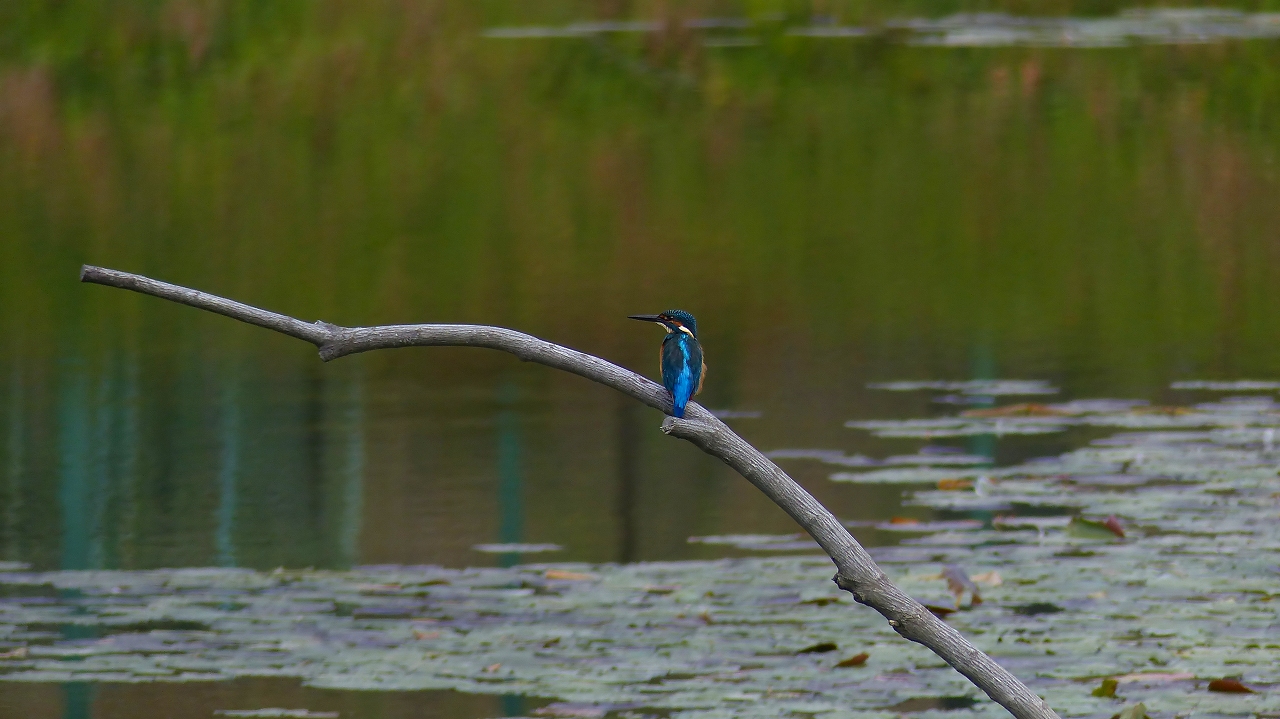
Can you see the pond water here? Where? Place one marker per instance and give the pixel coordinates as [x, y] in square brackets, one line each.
[845, 194]
[1146, 557]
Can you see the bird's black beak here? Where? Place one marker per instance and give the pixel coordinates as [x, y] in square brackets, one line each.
[644, 318]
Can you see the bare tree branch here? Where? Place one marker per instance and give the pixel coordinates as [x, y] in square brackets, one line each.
[857, 572]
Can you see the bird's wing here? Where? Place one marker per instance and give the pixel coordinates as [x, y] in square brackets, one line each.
[672, 358]
[681, 365]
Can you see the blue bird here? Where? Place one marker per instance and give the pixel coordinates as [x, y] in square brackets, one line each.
[682, 367]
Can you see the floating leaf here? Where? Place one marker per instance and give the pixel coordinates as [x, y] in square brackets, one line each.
[737, 413]
[1082, 528]
[923, 704]
[1038, 523]
[517, 548]
[856, 660]
[1025, 409]
[827, 456]
[277, 713]
[566, 575]
[1196, 590]
[1154, 677]
[1133, 711]
[904, 524]
[939, 610]
[951, 484]
[1113, 524]
[819, 648]
[1229, 686]
[933, 455]
[1107, 689]
[1035, 608]
[962, 426]
[760, 542]
[1232, 386]
[571, 710]
[992, 387]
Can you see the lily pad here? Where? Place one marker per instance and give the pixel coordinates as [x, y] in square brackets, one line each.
[1191, 592]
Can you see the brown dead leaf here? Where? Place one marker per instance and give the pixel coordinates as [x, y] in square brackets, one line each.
[1229, 686]
[493, 668]
[954, 485]
[903, 520]
[1112, 523]
[1172, 411]
[19, 653]
[1022, 409]
[567, 575]
[856, 660]
[425, 635]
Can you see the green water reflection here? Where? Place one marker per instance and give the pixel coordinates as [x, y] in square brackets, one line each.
[836, 212]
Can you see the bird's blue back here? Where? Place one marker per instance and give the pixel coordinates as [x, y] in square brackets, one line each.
[681, 369]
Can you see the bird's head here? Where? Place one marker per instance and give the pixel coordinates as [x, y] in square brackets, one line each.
[672, 321]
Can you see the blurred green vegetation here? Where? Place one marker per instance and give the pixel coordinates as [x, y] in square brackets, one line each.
[371, 162]
[835, 211]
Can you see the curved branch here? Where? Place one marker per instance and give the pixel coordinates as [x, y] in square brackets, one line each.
[857, 573]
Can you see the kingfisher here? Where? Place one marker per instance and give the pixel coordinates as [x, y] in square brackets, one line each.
[681, 357]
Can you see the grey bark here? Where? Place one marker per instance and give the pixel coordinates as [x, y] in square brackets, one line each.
[856, 573]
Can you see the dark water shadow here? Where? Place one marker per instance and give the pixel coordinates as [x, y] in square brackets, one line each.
[921, 704]
[199, 700]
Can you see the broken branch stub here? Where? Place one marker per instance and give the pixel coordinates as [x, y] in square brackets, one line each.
[856, 573]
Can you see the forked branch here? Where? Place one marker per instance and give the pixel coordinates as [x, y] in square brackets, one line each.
[857, 573]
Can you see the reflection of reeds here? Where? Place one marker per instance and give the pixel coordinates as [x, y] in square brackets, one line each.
[29, 119]
[386, 161]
